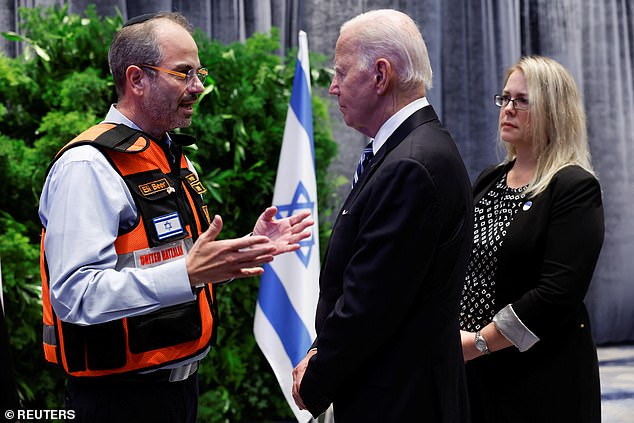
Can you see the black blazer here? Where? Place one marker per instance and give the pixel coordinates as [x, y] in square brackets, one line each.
[545, 266]
[387, 328]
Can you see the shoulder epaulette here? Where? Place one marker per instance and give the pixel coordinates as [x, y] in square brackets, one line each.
[124, 139]
[117, 137]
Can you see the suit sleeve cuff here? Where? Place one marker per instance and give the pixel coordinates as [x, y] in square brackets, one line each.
[513, 329]
[312, 394]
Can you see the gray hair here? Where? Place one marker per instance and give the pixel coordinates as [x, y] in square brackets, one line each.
[392, 35]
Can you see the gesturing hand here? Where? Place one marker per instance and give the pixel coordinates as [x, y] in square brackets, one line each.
[216, 261]
[285, 234]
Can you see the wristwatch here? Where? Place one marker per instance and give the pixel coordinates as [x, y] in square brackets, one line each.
[481, 343]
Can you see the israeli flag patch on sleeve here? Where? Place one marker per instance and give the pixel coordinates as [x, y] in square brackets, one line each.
[168, 225]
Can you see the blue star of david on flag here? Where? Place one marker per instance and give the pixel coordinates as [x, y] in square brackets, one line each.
[301, 201]
[284, 323]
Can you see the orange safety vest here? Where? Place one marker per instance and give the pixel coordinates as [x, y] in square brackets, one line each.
[164, 196]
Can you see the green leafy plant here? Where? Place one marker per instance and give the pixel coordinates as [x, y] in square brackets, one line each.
[61, 85]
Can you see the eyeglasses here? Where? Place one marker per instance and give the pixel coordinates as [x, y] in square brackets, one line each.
[519, 103]
[201, 73]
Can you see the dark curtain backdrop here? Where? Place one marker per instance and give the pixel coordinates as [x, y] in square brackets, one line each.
[471, 43]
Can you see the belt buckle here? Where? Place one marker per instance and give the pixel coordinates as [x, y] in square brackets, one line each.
[184, 372]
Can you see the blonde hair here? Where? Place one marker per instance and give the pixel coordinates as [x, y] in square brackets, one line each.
[393, 35]
[558, 121]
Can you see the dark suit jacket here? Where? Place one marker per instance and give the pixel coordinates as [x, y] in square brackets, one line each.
[545, 265]
[387, 328]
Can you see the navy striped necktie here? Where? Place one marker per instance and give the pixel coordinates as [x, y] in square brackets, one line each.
[364, 160]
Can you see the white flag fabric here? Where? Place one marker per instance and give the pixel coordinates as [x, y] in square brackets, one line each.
[284, 324]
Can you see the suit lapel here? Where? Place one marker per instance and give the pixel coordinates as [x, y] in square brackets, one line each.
[418, 118]
[487, 181]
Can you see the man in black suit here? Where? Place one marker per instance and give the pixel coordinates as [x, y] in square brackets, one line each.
[387, 347]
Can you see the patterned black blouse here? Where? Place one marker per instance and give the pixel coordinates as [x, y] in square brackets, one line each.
[492, 216]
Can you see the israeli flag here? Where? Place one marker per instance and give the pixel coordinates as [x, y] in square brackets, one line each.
[284, 323]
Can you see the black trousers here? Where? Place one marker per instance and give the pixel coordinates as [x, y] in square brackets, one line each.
[106, 400]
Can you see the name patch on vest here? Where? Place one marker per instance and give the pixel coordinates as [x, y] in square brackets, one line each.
[155, 186]
[151, 257]
[195, 183]
[168, 225]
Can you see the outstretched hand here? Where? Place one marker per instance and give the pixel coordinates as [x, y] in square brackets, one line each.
[285, 234]
[216, 261]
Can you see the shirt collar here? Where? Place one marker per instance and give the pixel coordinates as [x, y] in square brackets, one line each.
[390, 125]
[115, 116]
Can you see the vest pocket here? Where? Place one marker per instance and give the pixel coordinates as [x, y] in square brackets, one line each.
[166, 327]
[94, 347]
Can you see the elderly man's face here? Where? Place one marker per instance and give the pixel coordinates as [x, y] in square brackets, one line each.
[355, 88]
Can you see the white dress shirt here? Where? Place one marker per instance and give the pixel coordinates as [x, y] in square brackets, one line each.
[395, 121]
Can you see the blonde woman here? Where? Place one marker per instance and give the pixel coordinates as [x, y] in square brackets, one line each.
[538, 230]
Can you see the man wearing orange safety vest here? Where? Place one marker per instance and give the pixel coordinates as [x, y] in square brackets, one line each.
[129, 255]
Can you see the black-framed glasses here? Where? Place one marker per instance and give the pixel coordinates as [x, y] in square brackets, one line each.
[201, 73]
[519, 103]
